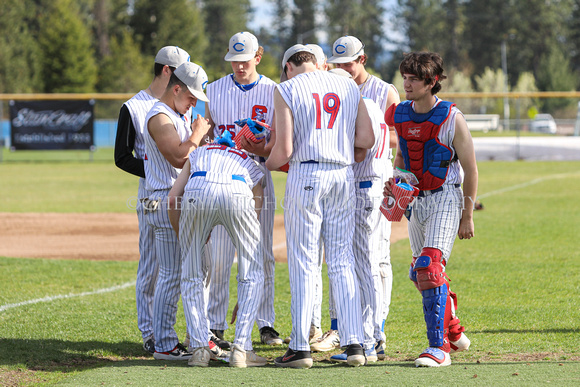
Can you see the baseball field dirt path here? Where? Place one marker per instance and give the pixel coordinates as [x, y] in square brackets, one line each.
[102, 236]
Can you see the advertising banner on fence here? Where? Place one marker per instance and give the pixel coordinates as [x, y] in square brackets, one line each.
[47, 125]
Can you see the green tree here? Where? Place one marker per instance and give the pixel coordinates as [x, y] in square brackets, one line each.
[227, 18]
[460, 82]
[491, 81]
[20, 59]
[124, 70]
[179, 23]
[68, 60]
[526, 83]
[303, 23]
[360, 18]
[554, 74]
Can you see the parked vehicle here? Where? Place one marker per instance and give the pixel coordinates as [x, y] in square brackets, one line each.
[543, 123]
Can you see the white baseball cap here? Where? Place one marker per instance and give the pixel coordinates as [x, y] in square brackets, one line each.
[341, 72]
[243, 47]
[318, 52]
[171, 56]
[293, 50]
[194, 78]
[346, 49]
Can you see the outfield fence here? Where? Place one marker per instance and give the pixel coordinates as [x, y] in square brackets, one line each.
[107, 106]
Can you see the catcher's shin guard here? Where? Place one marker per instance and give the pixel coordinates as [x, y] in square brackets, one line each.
[428, 272]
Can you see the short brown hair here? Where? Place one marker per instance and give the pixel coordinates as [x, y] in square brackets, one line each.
[427, 66]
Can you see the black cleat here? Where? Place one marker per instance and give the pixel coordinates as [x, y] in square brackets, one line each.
[294, 359]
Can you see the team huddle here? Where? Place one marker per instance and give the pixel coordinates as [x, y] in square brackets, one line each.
[206, 197]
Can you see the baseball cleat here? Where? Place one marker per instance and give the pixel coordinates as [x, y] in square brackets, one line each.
[460, 345]
[294, 359]
[315, 334]
[218, 338]
[330, 340]
[355, 355]
[380, 349]
[433, 357]
[370, 354]
[241, 358]
[269, 336]
[177, 353]
[149, 344]
[217, 353]
[200, 357]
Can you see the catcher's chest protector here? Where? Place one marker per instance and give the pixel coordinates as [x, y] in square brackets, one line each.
[423, 153]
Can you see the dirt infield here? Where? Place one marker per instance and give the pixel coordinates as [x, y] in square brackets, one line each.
[103, 236]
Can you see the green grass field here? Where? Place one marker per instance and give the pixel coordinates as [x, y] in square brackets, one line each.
[518, 283]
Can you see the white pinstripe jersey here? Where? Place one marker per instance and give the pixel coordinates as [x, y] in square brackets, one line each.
[324, 107]
[228, 103]
[377, 90]
[139, 105]
[375, 163]
[446, 136]
[224, 161]
[159, 173]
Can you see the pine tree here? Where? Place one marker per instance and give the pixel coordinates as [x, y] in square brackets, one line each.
[68, 60]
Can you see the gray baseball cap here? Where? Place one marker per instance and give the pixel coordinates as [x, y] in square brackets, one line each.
[318, 52]
[194, 78]
[346, 49]
[171, 56]
[243, 47]
[293, 50]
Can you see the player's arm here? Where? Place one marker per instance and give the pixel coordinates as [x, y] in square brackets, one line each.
[283, 146]
[210, 122]
[175, 196]
[393, 98]
[258, 191]
[364, 137]
[125, 144]
[463, 144]
[168, 141]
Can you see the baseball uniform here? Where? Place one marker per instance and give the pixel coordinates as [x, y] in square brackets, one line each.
[230, 102]
[319, 199]
[370, 241]
[218, 192]
[160, 176]
[130, 138]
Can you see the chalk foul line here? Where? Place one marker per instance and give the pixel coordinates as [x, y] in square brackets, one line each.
[63, 296]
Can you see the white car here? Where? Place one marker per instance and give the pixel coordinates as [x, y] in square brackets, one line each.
[543, 123]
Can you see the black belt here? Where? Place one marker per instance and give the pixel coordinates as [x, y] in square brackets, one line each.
[309, 162]
[422, 193]
[203, 173]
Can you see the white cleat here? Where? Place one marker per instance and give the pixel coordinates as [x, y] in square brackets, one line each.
[433, 357]
[460, 345]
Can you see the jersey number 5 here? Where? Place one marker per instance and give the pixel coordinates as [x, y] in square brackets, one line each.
[330, 104]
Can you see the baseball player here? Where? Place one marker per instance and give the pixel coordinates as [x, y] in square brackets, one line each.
[240, 95]
[322, 129]
[218, 185]
[169, 139]
[434, 144]
[348, 54]
[129, 154]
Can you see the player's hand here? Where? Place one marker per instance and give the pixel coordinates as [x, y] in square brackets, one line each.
[256, 148]
[199, 128]
[234, 314]
[388, 190]
[466, 228]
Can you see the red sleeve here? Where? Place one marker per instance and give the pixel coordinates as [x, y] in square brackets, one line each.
[390, 115]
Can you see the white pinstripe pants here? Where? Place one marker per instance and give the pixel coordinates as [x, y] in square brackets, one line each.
[222, 253]
[167, 287]
[232, 206]
[319, 204]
